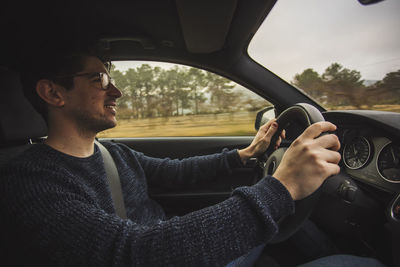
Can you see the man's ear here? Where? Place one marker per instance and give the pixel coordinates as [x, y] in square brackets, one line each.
[50, 92]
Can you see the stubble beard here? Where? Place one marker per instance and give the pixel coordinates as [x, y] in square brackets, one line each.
[90, 125]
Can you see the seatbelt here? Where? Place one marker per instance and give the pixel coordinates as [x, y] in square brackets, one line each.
[113, 180]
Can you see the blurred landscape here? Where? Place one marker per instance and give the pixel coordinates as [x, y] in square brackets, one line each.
[234, 124]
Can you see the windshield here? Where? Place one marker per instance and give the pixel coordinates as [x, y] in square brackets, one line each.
[341, 53]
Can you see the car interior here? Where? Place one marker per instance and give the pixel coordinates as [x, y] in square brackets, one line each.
[358, 209]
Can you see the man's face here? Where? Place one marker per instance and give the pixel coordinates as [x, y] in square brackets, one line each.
[90, 107]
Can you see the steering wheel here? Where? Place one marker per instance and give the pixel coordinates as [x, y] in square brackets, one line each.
[304, 115]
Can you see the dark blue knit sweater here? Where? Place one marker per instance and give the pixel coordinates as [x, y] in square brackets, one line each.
[57, 210]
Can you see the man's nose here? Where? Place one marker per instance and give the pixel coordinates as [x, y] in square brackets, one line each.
[114, 91]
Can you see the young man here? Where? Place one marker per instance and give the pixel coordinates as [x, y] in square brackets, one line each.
[59, 209]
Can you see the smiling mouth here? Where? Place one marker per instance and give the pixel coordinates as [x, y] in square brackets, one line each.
[111, 108]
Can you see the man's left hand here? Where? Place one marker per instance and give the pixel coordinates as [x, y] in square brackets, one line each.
[261, 141]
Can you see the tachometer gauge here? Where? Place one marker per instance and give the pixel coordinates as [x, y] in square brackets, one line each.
[389, 163]
[356, 153]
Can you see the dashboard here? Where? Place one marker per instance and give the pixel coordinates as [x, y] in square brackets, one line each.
[370, 146]
[370, 149]
[365, 195]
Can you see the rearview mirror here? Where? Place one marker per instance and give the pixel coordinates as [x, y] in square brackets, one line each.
[369, 2]
[264, 116]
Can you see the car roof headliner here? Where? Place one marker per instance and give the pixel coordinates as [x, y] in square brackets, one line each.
[203, 33]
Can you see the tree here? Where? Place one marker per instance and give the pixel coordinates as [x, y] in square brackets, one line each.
[345, 86]
[177, 89]
[310, 81]
[133, 93]
[145, 85]
[388, 89]
[252, 104]
[221, 92]
[173, 92]
[165, 101]
[197, 82]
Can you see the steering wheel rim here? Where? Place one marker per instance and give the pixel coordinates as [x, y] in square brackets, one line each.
[305, 115]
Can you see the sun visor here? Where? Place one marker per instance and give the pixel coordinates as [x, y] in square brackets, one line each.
[205, 24]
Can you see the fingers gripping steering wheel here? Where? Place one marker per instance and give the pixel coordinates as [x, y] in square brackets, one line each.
[305, 115]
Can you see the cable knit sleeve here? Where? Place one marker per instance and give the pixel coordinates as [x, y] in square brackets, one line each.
[173, 172]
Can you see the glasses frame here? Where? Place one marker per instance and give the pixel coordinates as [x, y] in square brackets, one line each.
[105, 84]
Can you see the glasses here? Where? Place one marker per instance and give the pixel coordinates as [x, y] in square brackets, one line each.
[103, 77]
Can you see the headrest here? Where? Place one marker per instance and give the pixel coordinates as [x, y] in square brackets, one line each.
[18, 119]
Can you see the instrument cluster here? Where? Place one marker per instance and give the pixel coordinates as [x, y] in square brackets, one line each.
[375, 159]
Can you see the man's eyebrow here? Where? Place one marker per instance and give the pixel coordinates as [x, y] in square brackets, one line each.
[94, 74]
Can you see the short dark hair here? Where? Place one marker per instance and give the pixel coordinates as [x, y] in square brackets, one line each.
[51, 65]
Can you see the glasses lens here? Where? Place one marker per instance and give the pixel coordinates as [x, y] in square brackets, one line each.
[105, 81]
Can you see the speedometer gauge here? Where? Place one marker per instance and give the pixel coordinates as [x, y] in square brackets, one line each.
[356, 153]
[389, 163]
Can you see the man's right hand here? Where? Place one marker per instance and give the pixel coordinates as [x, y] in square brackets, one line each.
[309, 160]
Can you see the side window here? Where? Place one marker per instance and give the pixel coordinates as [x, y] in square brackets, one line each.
[162, 99]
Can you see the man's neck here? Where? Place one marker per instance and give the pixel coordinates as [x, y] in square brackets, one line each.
[71, 142]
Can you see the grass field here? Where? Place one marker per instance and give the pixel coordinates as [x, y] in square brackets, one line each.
[233, 124]
[241, 123]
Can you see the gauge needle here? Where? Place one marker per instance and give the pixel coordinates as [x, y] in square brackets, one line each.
[395, 160]
[354, 150]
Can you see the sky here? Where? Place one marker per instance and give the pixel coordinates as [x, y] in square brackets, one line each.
[301, 34]
[125, 65]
